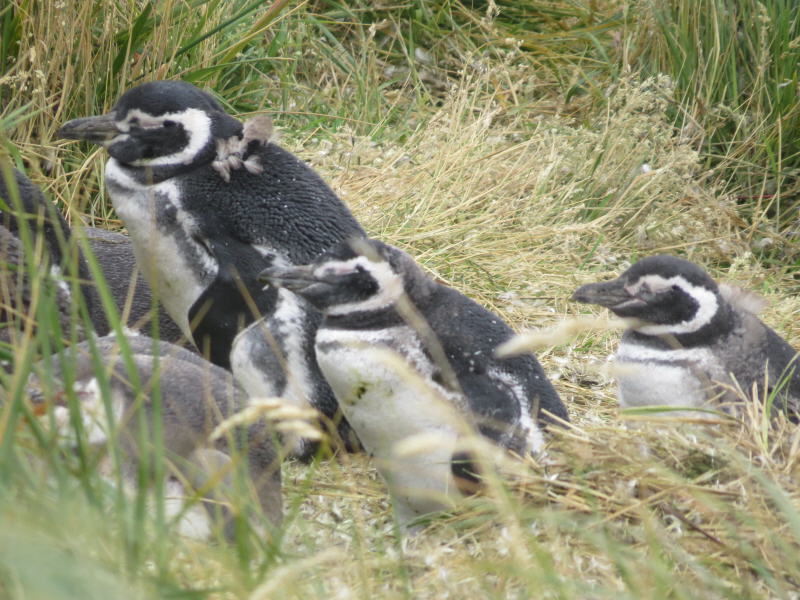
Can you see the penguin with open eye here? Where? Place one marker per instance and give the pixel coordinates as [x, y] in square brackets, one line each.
[194, 397]
[208, 201]
[64, 259]
[411, 359]
[691, 343]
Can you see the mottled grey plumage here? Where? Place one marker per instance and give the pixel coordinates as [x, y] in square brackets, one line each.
[208, 202]
[690, 341]
[114, 253]
[195, 397]
[25, 207]
[445, 340]
[131, 292]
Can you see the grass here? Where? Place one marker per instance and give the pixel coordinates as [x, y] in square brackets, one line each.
[516, 154]
[734, 68]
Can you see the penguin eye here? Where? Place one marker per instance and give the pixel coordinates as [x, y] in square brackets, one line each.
[169, 124]
[644, 292]
[203, 243]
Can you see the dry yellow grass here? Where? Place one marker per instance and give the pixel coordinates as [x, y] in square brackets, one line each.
[648, 510]
[516, 209]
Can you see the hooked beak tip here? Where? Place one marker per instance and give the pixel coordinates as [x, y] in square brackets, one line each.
[607, 293]
[92, 129]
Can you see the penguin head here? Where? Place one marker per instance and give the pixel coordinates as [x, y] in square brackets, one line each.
[357, 275]
[159, 124]
[664, 294]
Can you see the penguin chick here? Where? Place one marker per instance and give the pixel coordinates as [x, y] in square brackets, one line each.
[689, 345]
[195, 397]
[411, 363]
[201, 240]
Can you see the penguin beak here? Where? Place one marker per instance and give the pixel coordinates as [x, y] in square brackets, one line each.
[97, 130]
[610, 294]
[295, 278]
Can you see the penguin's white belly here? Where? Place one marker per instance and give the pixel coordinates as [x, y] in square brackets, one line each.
[652, 377]
[177, 269]
[407, 424]
[246, 362]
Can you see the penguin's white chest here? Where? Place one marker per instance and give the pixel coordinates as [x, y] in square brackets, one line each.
[176, 266]
[652, 377]
[381, 379]
[269, 359]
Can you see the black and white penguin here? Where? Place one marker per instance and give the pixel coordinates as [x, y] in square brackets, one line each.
[208, 202]
[195, 397]
[691, 342]
[411, 359]
[65, 260]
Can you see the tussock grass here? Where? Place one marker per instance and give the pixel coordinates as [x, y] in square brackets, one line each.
[505, 152]
[734, 65]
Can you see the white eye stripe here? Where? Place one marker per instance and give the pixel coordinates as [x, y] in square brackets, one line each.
[655, 283]
[336, 269]
[390, 284]
[136, 117]
[707, 305]
[196, 123]
[344, 267]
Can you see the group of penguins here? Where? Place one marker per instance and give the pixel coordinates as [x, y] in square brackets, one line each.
[263, 285]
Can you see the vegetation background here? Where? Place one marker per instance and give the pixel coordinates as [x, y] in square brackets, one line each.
[517, 148]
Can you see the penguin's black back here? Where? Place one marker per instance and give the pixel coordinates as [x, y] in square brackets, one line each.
[288, 206]
[460, 323]
[33, 206]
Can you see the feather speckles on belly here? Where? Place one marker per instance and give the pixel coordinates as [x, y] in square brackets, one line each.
[648, 376]
[177, 268]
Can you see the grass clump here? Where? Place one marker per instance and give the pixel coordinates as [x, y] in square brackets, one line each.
[735, 68]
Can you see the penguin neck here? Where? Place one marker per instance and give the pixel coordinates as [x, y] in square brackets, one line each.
[417, 288]
[720, 325]
[155, 174]
[365, 319]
